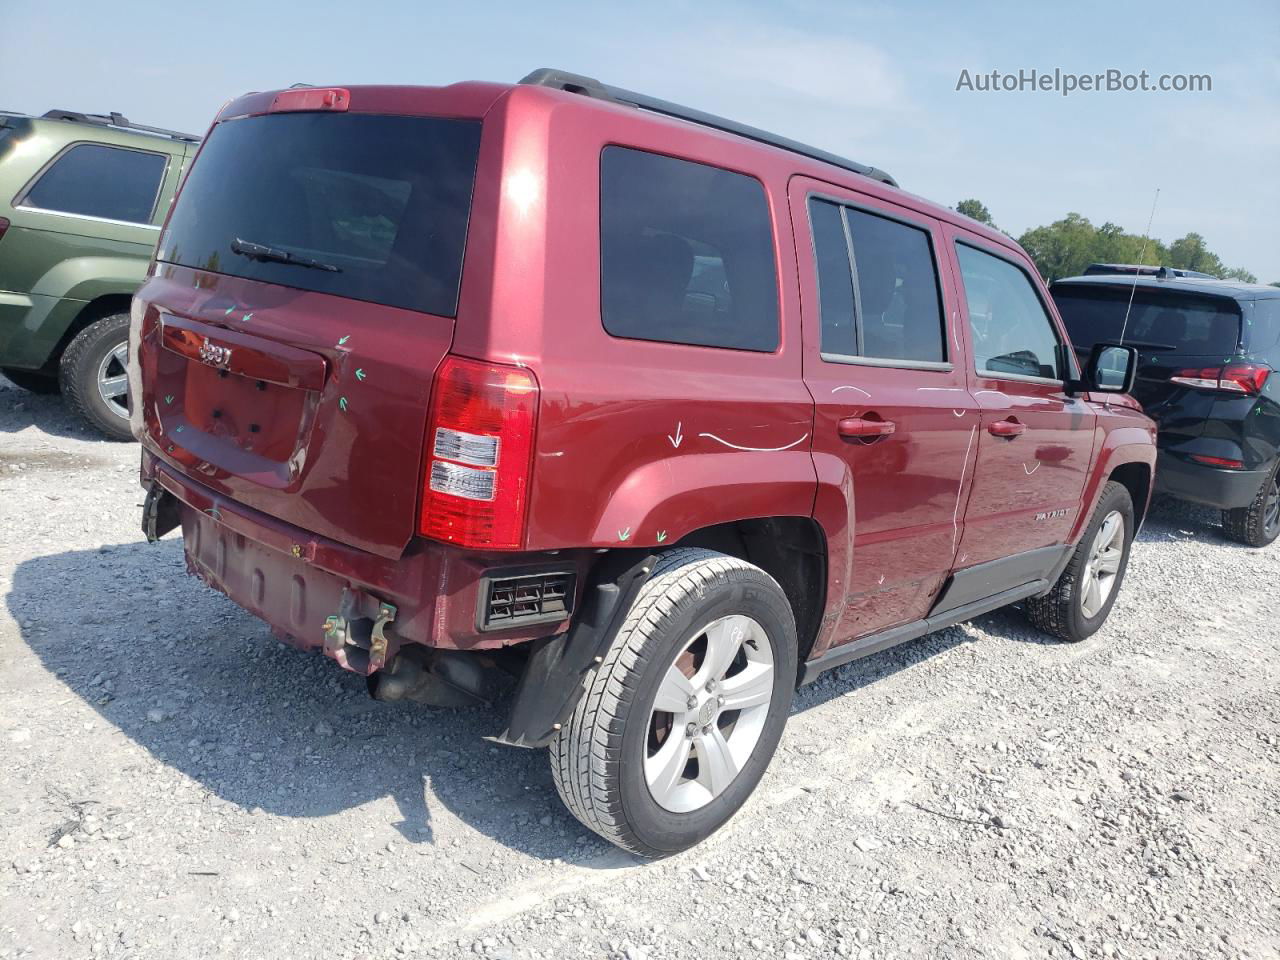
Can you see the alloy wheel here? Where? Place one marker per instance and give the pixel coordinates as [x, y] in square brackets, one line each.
[709, 713]
[1102, 566]
[1271, 509]
[113, 380]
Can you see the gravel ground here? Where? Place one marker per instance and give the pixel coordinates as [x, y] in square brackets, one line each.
[176, 784]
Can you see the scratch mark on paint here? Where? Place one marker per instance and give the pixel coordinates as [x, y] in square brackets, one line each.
[940, 390]
[624, 534]
[554, 453]
[996, 393]
[851, 387]
[955, 514]
[662, 536]
[1033, 469]
[712, 436]
[678, 438]
[957, 413]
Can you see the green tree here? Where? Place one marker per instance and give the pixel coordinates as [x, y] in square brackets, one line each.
[1190, 253]
[1063, 248]
[976, 210]
[1240, 273]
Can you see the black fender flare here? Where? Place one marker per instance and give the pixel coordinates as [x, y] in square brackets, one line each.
[553, 678]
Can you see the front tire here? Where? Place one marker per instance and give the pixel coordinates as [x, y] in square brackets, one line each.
[1079, 603]
[93, 373]
[679, 722]
[1259, 523]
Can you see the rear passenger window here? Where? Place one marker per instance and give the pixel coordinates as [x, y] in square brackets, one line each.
[893, 311]
[686, 253]
[1012, 333]
[95, 181]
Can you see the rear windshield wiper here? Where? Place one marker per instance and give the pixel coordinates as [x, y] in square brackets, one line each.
[260, 251]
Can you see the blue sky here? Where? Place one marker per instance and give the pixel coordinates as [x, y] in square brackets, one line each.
[875, 81]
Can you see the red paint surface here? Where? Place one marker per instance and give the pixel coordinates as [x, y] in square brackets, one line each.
[638, 443]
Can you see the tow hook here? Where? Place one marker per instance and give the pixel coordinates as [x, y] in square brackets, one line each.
[356, 640]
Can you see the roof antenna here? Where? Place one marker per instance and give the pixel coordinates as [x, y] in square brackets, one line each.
[1134, 289]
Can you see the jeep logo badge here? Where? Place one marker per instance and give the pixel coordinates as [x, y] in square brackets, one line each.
[214, 355]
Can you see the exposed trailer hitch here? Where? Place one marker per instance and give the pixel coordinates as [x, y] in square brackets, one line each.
[553, 679]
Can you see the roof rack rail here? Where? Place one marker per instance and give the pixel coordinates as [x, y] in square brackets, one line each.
[589, 87]
[117, 120]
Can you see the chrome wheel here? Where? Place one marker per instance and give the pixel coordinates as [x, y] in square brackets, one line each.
[708, 714]
[113, 380]
[1102, 567]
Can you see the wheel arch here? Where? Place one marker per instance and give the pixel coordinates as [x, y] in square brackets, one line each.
[792, 550]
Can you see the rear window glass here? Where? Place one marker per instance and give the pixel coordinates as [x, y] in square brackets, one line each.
[91, 180]
[686, 253]
[897, 286]
[1164, 323]
[1262, 329]
[376, 205]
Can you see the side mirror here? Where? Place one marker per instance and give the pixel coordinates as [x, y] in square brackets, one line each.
[1111, 368]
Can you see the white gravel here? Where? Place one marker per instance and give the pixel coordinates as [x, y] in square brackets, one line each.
[176, 784]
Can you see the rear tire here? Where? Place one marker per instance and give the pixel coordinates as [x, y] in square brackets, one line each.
[1258, 524]
[31, 380]
[1073, 610]
[609, 764]
[94, 366]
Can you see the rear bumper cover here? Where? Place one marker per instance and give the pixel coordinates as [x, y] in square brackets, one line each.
[296, 581]
[1200, 483]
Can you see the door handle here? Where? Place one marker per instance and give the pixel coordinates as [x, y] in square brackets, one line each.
[1007, 429]
[857, 427]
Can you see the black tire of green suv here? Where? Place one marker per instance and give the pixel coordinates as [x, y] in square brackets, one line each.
[93, 359]
[1258, 524]
[31, 380]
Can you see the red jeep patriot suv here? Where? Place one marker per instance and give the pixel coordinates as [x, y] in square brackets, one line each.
[651, 413]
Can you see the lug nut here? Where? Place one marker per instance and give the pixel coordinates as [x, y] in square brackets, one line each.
[692, 703]
[691, 730]
[711, 686]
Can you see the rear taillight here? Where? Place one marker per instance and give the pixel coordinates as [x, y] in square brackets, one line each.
[479, 443]
[1248, 378]
[4, 225]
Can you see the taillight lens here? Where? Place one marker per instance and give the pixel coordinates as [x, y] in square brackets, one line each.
[479, 444]
[1247, 378]
[4, 225]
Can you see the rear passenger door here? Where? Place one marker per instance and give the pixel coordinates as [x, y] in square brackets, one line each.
[1036, 441]
[895, 423]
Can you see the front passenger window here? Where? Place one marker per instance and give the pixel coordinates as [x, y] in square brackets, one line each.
[1012, 333]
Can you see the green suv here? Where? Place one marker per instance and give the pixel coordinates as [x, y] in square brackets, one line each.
[82, 199]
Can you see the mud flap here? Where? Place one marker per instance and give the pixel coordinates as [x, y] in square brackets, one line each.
[553, 679]
[159, 513]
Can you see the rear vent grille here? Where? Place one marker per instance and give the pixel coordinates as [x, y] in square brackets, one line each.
[511, 601]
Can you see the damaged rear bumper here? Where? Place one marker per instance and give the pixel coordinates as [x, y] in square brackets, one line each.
[356, 607]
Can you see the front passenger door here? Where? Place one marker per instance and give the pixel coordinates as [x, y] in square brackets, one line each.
[1036, 442]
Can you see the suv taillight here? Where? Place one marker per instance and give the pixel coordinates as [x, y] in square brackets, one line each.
[4, 225]
[1248, 378]
[475, 486]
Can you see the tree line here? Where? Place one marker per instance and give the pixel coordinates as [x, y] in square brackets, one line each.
[1065, 247]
